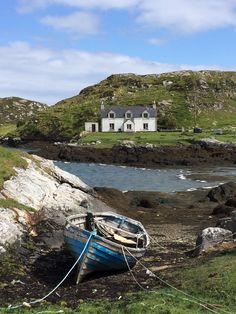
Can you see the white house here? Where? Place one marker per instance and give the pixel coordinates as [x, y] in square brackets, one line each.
[91, 127]
[129, 119]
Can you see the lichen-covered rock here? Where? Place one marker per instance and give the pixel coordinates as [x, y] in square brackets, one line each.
[10, 230]
[52, 192]
[42, 185]
[211, 236]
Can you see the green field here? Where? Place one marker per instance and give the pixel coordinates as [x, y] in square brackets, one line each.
[156, 138]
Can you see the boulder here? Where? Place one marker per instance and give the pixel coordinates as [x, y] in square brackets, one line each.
[231, 202]
[209, 237]
[222, 192]
[10, 230]
[228, 223]
[222, 210]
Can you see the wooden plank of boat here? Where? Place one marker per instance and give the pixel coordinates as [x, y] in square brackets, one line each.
[104, 250]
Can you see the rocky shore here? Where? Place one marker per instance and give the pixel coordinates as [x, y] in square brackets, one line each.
[33, 257]
[199, 153]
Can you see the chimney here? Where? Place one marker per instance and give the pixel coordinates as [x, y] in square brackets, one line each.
[102, 106]
[154, 106]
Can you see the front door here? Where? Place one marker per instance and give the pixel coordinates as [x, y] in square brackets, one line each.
[93, 127]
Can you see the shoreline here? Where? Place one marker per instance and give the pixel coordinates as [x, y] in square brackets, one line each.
[137, 156]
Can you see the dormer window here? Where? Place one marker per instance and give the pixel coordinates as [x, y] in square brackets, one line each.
[145, 115]
[111, 115]
[128, 115]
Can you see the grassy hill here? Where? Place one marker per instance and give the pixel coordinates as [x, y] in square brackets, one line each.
[15, 109]
[186, 98]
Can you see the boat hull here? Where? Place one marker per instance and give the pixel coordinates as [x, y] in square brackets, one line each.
[100, 254]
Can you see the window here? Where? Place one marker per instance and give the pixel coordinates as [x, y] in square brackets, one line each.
[145, 115]
[129, 126]
[128, 115]
[111, 115]
[112, 126]
[145, 126]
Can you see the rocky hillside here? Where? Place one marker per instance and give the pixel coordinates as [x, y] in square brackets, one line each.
[187, 98]
[15, 109]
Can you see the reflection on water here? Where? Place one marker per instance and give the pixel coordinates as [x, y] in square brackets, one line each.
[164, 180]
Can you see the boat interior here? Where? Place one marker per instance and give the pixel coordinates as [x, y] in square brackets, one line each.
[118, 229]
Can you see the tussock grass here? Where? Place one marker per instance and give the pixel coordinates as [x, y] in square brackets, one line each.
[8, 160]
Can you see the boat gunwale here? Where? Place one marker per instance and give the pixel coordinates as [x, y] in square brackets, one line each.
[135, 222]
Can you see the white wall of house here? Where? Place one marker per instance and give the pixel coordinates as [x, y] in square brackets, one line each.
[107, 123]
[121, 124]
[129, 126]
[91, 127]
[145, 124]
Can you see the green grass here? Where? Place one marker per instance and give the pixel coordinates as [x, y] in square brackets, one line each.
[7, 128]
[156, 138]
[211, 282]
[10, 203]
[8, 160]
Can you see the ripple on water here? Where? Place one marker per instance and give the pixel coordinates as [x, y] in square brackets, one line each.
[127, 178]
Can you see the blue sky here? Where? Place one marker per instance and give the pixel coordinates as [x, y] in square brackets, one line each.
[51, 49]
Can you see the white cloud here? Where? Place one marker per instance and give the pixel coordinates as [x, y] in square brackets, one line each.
[185, 16]
[188, 15]
[50, 75]
[80, 23]
[27, 6]
[156, 41]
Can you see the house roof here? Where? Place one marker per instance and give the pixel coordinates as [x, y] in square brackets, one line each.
[136, 111]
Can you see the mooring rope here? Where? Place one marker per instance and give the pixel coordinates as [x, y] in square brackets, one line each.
[58, 285]
[192, 298]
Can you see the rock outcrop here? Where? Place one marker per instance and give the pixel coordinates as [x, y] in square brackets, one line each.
[52, 193]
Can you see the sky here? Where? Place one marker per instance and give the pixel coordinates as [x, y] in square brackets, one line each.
[51, 49]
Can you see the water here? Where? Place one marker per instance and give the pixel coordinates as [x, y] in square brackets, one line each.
[142, 179]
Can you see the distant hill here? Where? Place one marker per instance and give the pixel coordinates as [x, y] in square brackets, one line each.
[15, 109]
[185, 98]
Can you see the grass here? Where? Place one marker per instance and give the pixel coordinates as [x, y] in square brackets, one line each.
[10, 203]
[211, 282]
[8, 160]
[7, 128]
[183, 103]
[156, 138]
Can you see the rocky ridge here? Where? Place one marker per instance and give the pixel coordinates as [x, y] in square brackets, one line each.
[15, 109]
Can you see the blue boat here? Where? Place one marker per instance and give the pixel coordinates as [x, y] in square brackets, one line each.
[104, 241]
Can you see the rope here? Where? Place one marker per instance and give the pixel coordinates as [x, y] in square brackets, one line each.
[131, 270]
[158, 244]
[58, 285]
[193, 299]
